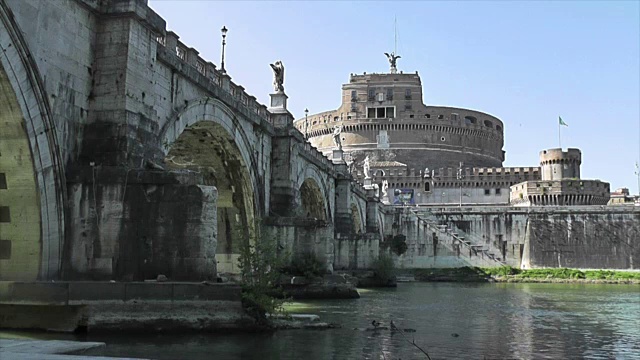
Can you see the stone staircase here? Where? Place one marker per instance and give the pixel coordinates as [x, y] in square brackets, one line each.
[473, 252]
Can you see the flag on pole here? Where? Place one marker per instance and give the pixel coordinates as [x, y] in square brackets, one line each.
[562, 122]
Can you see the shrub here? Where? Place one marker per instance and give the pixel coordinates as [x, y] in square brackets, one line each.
[259, 264]
[395, 243]
[501, 271]
[383, 268]
[307, 265]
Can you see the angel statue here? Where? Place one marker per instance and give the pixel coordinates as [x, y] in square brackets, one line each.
[336, 137]
[385, 186]
[278, 76]
[366, 168]
[392, 61]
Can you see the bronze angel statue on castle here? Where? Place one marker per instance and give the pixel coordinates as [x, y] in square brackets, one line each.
[392, 61]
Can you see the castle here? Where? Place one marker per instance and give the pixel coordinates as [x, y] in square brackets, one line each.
[436, 154]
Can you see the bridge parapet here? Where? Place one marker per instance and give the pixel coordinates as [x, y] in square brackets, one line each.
[190, 56]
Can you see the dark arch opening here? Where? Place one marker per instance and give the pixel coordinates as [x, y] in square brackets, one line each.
[312, 200]
[206, 147]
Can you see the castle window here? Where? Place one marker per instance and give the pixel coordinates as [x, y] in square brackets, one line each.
[389, 94]
[497, 191]
[488, 124]
[353, 107]
[5, 214]
[470, 120]
[498, 128]
[371, 113]
[427, 187]
[407, 94]
[354, 95]
[487, 191]
[372, 94]
[380, 112]
[411, 116]
[391, 113]
[3, 181]
[335, 118]
[440, 117]
[407, 106]
[428, 116]
[5, 249]
[454, 117]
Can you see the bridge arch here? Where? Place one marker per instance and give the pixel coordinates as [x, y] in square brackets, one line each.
[312, 200]
[314, 193]
[207, 138]
[357, 217]
[33, 185]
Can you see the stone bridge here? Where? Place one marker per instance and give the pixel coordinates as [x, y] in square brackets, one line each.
[124, 155]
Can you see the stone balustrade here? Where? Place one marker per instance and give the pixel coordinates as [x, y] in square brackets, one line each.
[217, 78]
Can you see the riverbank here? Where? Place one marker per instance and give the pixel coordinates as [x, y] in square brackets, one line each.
[512, 275]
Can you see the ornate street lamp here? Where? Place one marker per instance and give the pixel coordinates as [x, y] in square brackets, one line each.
[224, 36]
[306, 122]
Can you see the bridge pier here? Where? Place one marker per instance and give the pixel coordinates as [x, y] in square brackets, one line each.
[138, 224]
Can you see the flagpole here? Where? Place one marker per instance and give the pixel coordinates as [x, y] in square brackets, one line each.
[559, 138]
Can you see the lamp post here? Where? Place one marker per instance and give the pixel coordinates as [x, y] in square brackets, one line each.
[637, 172]
[306, 122]
[460, 177]
[224, 37]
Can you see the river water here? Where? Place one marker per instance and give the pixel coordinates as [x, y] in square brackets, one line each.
[451, 321]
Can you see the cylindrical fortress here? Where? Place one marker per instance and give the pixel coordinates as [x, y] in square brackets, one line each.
[382, 116]
[556, 164]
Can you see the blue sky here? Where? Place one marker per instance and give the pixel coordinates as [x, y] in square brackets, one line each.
[524, 62]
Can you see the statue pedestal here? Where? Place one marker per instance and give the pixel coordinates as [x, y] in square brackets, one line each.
[278, 102]
[338, 157]
[280, 116]
[368, 183]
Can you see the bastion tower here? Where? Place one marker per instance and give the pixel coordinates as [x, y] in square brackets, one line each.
[383, 116]
[560, 183]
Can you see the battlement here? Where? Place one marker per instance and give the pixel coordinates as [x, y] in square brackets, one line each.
[553, 156]
[557, 164]
[560, 192]
[373, 78]
[215, 77]
[448, 177]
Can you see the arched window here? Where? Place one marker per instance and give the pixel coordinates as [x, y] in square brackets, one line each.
[488, 124]
[470, 120]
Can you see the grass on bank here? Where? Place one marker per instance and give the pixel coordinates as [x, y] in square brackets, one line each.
[480, 274]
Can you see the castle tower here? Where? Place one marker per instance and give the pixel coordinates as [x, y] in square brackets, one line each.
[560, 184]
[557, 164]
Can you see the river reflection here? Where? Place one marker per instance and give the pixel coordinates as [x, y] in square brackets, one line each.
[452, 321]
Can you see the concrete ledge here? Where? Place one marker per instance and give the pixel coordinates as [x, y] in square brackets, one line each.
[87, 292]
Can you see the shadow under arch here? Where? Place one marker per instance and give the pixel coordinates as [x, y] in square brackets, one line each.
[208, 148]
[33, 190]
[312, 200]
[356, 220]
